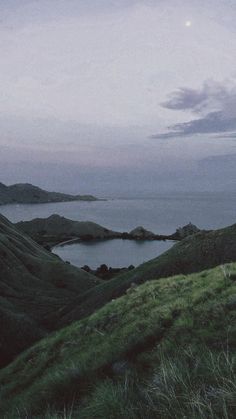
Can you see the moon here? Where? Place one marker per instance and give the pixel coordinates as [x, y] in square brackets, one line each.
[188, 23]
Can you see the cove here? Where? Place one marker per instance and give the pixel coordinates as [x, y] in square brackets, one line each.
[116, 253]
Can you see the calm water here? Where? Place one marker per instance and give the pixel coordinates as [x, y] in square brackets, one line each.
[116, 253]
[162, 215]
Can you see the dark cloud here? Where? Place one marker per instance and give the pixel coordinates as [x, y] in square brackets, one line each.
[214, 102]
[185, 98]
[210, 95]
[211, 123]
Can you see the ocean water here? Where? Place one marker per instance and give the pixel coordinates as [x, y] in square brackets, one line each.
[162, 215]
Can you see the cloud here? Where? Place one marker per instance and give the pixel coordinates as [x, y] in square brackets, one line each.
[214, 102]
[209, 96]
[231, 135]
[185, 98]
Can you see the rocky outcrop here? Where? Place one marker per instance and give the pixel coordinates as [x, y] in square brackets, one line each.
[140, 233]
[25, 193]
[186, 231]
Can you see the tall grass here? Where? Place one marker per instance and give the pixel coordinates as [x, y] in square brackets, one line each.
[195, 386]
[74, 374]
[191, 385]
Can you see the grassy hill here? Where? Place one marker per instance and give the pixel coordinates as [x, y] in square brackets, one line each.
[195, 253]
[56, 229]
[34, 286]
[164, 350]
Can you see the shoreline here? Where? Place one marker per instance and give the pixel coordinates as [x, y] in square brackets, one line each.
[68, 241]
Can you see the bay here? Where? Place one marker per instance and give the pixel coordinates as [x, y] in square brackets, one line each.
[161, 214]
[114, 253]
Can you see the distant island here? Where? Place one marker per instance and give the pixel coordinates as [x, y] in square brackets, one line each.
[25, 193]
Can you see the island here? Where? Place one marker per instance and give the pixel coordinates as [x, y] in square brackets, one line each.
[25, 193]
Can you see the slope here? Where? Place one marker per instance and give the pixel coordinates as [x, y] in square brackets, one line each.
[92, 363]
[34, 284]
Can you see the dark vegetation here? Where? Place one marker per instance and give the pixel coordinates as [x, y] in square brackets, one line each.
[106, 273]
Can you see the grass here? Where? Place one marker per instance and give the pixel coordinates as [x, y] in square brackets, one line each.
[164, 350]
[188, 385]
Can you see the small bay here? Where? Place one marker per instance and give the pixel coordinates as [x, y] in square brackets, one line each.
[116, 253]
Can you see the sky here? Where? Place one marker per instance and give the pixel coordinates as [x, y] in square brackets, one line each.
[124, 96]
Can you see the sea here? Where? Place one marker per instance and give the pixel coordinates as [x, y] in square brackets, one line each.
[161, 214]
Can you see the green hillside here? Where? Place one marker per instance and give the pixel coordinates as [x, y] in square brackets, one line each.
[164, 350]
[34, 286]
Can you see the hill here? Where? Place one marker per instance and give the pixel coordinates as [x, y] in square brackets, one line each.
[56, 229]
[25, 193]
[193, 254]
[165, 350]
[34, 284]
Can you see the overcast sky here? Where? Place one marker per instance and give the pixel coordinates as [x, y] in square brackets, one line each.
[111, 84]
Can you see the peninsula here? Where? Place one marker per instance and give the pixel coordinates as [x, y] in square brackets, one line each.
[57, 229]
[25, 193]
